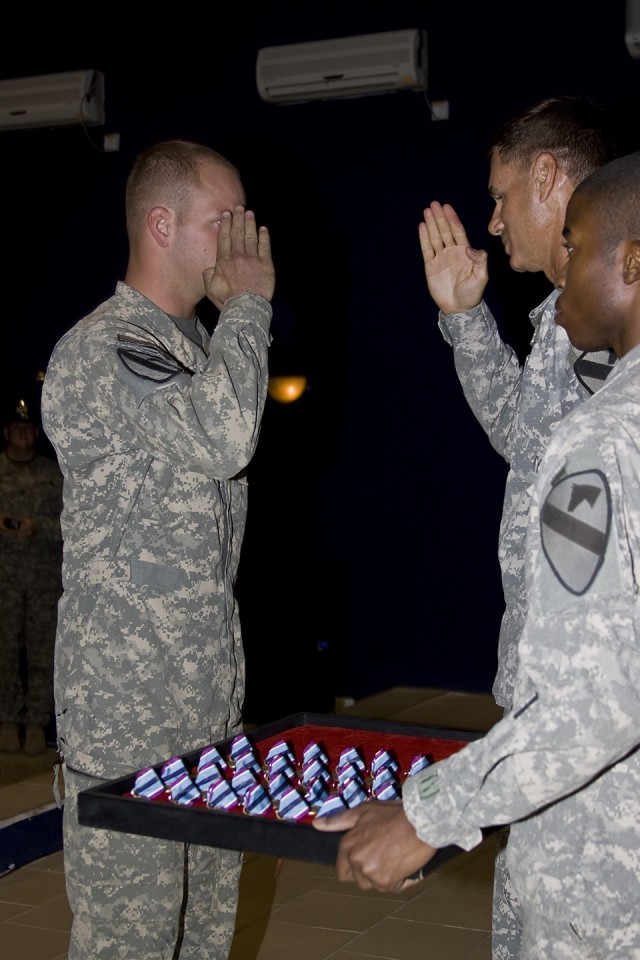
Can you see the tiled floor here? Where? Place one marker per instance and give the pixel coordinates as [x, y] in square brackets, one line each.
[293, 909]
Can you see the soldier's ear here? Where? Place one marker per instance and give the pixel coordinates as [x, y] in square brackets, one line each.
[631, 272]
[159, 224]
[545, 171]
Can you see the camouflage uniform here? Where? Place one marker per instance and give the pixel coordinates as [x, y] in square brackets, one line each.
[563, 766]
[30, 588]
[153, 433]
[518, 407]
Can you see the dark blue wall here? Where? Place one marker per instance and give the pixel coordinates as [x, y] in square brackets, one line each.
[370, 557]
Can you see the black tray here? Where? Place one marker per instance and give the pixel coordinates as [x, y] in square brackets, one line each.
[112, 806]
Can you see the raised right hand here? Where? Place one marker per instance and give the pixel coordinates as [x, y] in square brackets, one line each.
[456, 273]
[243, 261]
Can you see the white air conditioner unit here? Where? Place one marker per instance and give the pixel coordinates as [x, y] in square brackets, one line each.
[344, 67]
[632, 28]
[52, 100]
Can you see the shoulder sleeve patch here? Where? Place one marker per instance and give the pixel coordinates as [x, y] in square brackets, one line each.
[592, 369]
[149, 360]
[575, 524]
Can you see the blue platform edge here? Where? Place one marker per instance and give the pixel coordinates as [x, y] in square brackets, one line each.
[30, 839]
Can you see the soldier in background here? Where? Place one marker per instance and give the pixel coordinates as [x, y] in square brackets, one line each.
[30, 582]
[563, 766]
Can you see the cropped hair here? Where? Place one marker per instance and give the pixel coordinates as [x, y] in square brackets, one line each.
[613, 191]
[575, 130]
[167, 174]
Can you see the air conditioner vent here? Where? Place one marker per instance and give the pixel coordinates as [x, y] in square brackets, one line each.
[343, 67]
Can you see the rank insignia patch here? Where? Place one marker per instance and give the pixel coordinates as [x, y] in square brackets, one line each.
[575, 521]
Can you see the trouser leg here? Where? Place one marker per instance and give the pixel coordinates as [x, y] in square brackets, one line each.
[550, 938]
[506, 926]
[125, 891]
[213, 877]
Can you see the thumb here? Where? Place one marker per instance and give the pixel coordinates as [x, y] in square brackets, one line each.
[333, 822]
[477, 256]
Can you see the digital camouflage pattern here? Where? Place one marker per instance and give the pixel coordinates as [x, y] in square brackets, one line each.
[518, 408]
[153, 433]
[30, 587]
[137, 884]
[563, 766]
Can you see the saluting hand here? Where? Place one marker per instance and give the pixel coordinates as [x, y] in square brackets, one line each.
[456, 273]
[243, 263]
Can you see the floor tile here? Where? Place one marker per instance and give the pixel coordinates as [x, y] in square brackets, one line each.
[286, 940]
[53, 863]
[29, 943]
[394, 939]
[469, 910]
[454, 711]
[30, 887]
[18, 799]
[8, 911]
[381, 706]
[291, 885]
[480, 952]
[51, 915]
[337, 911]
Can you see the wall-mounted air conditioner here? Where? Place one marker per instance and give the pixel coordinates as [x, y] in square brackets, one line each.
[632, 28]
[52, 100]
[344, 67]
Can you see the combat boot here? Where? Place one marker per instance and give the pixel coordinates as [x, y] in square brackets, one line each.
[9, 739]
[34, 741]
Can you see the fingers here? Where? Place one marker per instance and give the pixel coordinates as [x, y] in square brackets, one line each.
[224, 235]
[426, 244]
[444, 226]
[244, 234]
[434, 232]
[264, 244]
[239, 233]
[456, 230]
[334, 822]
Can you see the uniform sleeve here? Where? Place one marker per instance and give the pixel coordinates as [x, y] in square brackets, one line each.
[577, 711]
[488, 369]
[132, 392]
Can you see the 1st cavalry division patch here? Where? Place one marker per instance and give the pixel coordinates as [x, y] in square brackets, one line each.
[574, 526]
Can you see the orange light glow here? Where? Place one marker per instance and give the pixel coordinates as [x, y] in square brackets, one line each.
[287, 389]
